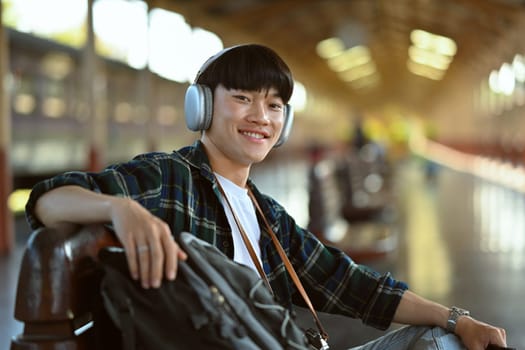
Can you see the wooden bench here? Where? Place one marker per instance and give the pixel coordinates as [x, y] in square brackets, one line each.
[363, 237]
[364, 178]
[58, 287]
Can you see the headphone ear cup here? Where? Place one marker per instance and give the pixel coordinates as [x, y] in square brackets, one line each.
[287, 125]
[198, 107]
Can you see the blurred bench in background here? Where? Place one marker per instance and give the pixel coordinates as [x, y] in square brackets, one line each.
[351, 205]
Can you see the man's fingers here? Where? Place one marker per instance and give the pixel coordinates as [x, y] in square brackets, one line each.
[157, 257]
[501, 337]
[173, 254]
[131, 255]
[182, 254]
[170, 264]
[150, 250]
[143, 259]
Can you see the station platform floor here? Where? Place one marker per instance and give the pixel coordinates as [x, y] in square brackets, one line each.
[461, 241]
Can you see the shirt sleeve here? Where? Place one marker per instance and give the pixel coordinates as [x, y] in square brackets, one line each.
[334, 282]
[139, 179]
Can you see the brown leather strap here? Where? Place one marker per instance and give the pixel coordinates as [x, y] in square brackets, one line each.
[289, 267]
[246, 240]
[281, 252]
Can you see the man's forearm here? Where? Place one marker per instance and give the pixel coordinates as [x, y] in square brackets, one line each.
[73, 204]
[415, 310]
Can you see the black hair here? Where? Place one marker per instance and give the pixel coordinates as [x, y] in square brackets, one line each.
[249, 67]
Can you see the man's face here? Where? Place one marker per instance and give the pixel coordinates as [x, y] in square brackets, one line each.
[245, 124]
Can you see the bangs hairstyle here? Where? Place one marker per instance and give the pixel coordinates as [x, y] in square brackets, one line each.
[249, 67]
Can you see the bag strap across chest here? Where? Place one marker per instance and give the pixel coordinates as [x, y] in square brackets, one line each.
[282, 254]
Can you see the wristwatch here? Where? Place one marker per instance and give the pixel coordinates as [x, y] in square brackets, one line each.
[455, 313]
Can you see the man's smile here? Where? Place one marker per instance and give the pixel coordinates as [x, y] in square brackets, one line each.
[253, 134]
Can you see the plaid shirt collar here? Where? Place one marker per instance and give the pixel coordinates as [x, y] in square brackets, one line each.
[197, 158]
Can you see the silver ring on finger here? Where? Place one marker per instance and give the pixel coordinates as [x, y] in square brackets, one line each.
[142, 249]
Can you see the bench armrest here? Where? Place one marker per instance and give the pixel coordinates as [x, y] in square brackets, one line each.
[58, 283]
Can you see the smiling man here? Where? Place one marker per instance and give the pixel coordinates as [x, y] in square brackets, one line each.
[240, 103]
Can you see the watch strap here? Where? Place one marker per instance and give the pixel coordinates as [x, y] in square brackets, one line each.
[454, 315]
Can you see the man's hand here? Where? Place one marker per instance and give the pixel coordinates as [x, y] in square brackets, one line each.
[477, 335]
[148, 242]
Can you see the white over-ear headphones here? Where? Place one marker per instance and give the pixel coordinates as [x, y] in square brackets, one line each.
[198, 105]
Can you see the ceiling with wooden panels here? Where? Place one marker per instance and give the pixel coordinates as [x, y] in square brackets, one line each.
[487, 33]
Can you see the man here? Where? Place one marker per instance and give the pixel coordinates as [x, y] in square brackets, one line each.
[239, 101]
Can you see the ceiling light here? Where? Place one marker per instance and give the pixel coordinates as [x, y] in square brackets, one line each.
[24, 103]
[506, 79]
[330, 47]
[358, 72]
[518, 64]
[57, 65]
[356, 56]
[493, 81]
[429, 58]
[299, 97]
[366, 82]
[54, 107]
[351, 64]
[433, 42]
[430, 54]
[424, 70]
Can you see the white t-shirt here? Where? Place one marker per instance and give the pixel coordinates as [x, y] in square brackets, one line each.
[245, 211]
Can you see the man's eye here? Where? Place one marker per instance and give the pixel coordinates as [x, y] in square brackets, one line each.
[241, 97]
[276, 106]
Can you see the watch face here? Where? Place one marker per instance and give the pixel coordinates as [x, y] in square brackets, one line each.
[460, 312]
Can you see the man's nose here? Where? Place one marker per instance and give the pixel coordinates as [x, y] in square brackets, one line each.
[260, 113]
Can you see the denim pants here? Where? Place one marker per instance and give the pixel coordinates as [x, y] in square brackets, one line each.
[415, 338]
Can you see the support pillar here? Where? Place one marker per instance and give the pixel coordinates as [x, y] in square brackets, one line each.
[146, 97]
[94, 83]
[6, 175]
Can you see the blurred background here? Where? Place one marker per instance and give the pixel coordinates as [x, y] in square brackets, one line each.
[408, 145]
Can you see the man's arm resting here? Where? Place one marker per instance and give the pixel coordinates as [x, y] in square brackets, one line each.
[147, 240]
[416, 310]
[73, 205]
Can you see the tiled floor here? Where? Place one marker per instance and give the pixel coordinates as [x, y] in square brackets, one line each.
[464, 244]
[461, 242]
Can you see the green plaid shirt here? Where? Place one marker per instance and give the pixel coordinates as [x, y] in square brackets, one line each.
[180, 188]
